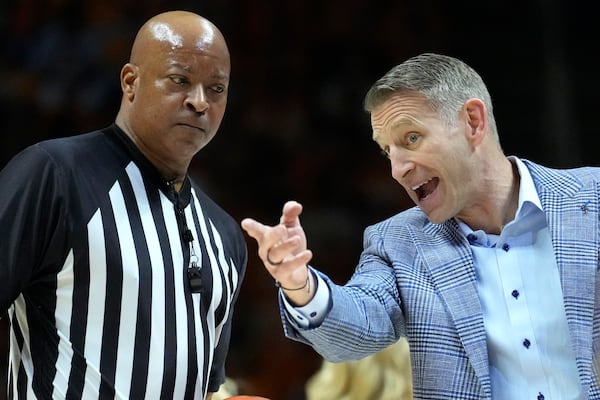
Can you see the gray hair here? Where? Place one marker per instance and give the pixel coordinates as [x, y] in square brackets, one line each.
[445, 82]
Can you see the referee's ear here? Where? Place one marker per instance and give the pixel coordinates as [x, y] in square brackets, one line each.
[129, 75]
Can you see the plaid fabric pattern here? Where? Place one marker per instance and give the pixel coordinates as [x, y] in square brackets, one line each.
[417, 279]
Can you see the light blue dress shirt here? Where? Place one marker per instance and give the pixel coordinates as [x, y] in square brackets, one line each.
[529, 346]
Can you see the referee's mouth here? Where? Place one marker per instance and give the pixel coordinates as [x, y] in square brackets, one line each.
[192, 126]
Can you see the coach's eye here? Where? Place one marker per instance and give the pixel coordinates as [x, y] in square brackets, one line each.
[413, 138]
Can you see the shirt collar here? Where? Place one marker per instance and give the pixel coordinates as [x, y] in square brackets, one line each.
[182, 198]
[527, 192]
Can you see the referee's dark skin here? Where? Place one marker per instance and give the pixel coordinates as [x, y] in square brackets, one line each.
[174, 90]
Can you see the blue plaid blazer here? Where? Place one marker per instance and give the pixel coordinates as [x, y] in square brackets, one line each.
[417, 279]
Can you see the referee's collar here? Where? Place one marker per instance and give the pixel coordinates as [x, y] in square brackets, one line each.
[180, 199]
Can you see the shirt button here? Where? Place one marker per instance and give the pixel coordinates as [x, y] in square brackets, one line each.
[472, 238]
[515, 294]
[540, 396]
[526, 343]
[505, 247]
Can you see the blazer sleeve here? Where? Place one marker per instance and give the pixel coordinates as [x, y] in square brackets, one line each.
[365, 315]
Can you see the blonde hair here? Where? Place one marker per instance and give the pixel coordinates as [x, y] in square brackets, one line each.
[385, 375]
[227, 389]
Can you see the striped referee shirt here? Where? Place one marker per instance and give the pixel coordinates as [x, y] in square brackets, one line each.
[95, 250]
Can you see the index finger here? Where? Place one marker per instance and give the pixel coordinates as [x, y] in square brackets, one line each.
[254, 228]
[291, 213]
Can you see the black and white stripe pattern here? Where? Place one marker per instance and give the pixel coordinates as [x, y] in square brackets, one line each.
[126, 323]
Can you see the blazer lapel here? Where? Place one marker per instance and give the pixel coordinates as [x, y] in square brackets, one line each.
[450, 263]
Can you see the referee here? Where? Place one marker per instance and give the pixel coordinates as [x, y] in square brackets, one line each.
[119, 274]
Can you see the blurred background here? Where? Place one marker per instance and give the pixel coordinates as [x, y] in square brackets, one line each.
[294, 126]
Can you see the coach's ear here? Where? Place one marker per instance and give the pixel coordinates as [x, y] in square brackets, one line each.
[475, 113]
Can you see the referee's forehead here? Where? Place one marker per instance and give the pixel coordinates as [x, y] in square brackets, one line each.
[178, 31]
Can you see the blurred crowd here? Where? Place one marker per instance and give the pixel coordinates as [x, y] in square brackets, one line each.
[294, 127]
